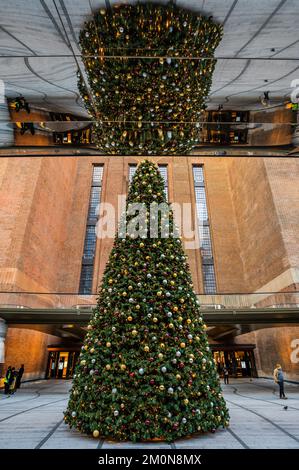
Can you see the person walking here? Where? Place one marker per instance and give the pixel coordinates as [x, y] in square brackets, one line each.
[279, 379]
[19, 376]
[226, 375]
[6, 380]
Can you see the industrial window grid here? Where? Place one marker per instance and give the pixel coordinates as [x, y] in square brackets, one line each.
[206, 249]
[86, 276]
[163, 171]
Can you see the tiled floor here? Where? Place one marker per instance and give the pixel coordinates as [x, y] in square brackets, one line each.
[33, 418]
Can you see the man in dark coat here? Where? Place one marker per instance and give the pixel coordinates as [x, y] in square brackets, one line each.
[19, 376]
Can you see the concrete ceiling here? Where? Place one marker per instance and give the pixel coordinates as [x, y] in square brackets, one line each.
[259, 50]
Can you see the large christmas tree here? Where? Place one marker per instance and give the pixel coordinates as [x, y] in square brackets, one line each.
[149, 70]
[146, 370]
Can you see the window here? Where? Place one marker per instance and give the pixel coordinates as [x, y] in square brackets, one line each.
[206, 248]
[132, 171]
[86, 277]
[163, 171]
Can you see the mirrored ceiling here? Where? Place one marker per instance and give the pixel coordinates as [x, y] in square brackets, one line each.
[249, 102]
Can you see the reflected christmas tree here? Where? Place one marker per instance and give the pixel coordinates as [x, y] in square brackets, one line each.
[149, 70]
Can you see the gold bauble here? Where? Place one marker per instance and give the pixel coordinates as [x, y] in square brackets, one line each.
[175, 309]
[155, 319]
[162, 387]
[130, 287]
[159, 293]
[160, 356]
[146, 348]
[186, 401]
[95, 433]
[123, 366]
[162, 345]
[108, 344]
[182, 345]
[180, 318]
[188, 321]
[178, 377]
[108, 367]
[171, 325]
[92, 350]
[141, 245]
[134, 332]
[137, 307]
[130, 318]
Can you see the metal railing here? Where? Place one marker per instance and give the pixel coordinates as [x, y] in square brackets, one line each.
[27, 300]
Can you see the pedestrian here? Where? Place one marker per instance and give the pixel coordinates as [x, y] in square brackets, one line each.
[19, 376]
[279, 379]
[6, 380]
[226, 375]
[12, 381]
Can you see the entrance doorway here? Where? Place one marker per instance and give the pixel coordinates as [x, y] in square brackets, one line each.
[239, 360]
[61, 364]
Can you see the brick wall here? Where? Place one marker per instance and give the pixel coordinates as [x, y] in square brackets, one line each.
[275, 345]
[28, 347]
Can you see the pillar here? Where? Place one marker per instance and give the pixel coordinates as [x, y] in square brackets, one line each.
[3, 331]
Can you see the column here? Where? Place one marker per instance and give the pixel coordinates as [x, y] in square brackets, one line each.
[3, 331]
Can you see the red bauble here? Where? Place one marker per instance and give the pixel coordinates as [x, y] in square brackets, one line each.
[151, 359]
[132, 374]
[181, 365]
[147, 422]
[152, 381]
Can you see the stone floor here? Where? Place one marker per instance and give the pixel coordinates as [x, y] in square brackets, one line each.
[32, 418]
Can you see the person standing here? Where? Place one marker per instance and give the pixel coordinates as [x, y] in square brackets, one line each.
[279, 379]
[12, 381]
[7, 380]
[19, 376]
[226, 375]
